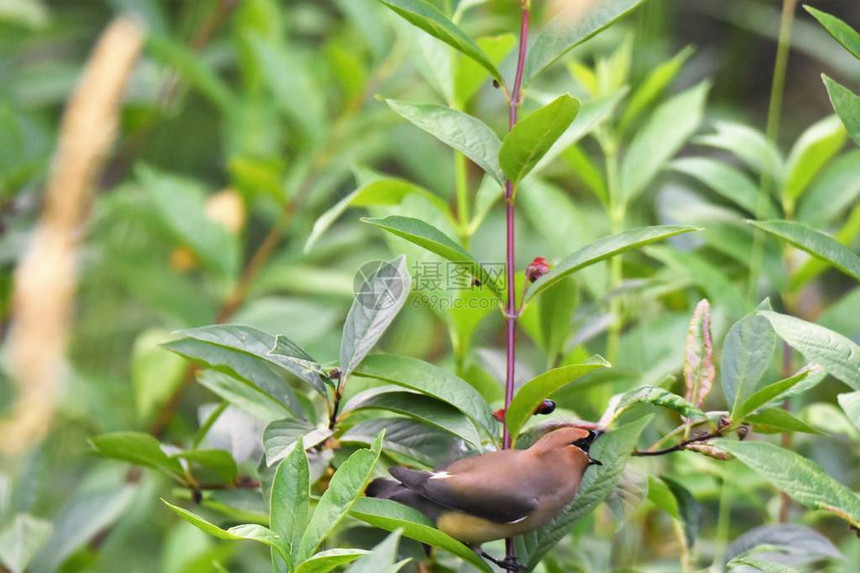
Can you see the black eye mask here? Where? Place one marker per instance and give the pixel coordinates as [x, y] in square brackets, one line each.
[584, 444]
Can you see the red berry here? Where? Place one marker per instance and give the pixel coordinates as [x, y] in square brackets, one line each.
[537, 268]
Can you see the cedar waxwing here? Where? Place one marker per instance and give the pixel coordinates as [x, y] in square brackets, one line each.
[496, 495]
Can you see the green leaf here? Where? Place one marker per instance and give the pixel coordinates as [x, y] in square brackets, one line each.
[792, 542]
[653, 86]
[427, 17]
[662, 136]
[541, 387]
[419, 442]
[799, 477]
[390, 515]
[345, 487]
[601, 250]
[329, 560]
[833, 193]
[382, 192]
[139, 449]
[219, 463]
[657, 397]
[847, 106]
[461, 131]
[850, 403]
[760, 565]
[249, 532]
[21, 539]
[572, 27]
[777, 421]
[841, 32]
[556, 308]
[771, 392]
[381, 559]
[832, 351]
[470, 76]
[728, 182]
[613, 450]
[246, 397]
[291, 357]
[433, 381]
[243, 351]
[591, 115]
[290, 501]
[750, 145]
[281, 437]
[374, 309]
[815, 147]
[699, 370]
[429, 237]
[747, 351]
[815, 243]
[530, 139]
[419, 407]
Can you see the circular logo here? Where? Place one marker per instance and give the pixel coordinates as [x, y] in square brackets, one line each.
[378, 285]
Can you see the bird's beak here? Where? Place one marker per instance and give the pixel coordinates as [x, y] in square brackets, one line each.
[592, 461]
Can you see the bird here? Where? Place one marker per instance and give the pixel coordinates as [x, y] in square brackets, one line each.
[499, 494]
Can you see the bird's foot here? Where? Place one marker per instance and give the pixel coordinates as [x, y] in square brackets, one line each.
[508, 563]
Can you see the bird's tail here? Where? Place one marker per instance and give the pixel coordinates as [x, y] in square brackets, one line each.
[383, 488]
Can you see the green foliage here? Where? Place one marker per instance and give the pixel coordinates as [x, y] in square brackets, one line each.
[218, 265]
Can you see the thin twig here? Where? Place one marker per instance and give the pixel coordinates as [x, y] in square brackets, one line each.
[681, 445]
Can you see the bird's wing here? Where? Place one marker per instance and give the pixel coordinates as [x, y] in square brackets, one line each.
[473, 492]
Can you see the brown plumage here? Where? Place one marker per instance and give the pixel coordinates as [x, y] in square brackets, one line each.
[496, 495]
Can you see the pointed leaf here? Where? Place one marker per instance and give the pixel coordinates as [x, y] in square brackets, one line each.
[281, 437]
[799, 477]
[657, 397]
[290, 500]
[850, 403]
[374, 309]
[21, 539]
[139, 449]
[427, 17]
[345, 487]
[772, 393]
[778, 421]
[572, 27]
[832, 351]
[841, 32]
[747, 351]
[429, 237]
[603, 249]
[433, 381]
[381, 559]
[461, 131]
[847, 106]
[250, 532]
[728, 182]
[662, 136]
[689, 510]
[653, 86]
[532, 137]
[817, 146]
[538, 389]
[748, 144]
[390, 515]
[329, 560]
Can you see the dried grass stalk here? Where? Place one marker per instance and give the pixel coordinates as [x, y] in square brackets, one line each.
[45, 280]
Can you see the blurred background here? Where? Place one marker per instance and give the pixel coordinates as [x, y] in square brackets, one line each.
[222, 137]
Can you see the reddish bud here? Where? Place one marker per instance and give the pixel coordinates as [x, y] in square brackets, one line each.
[499, 415]
[545, 408]
[537, 268]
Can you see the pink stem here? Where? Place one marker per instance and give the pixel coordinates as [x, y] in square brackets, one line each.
[511, 312]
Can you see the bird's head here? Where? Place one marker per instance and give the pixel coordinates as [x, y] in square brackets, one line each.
[571, 443]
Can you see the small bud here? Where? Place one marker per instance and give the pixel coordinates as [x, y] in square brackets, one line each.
[499, 415]
[545, 408]
[537, 268]
[724, 423]
[476, 282]
[334, 374]
[197, 496]
[496, 84]
[743, 431]
[710, 451]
